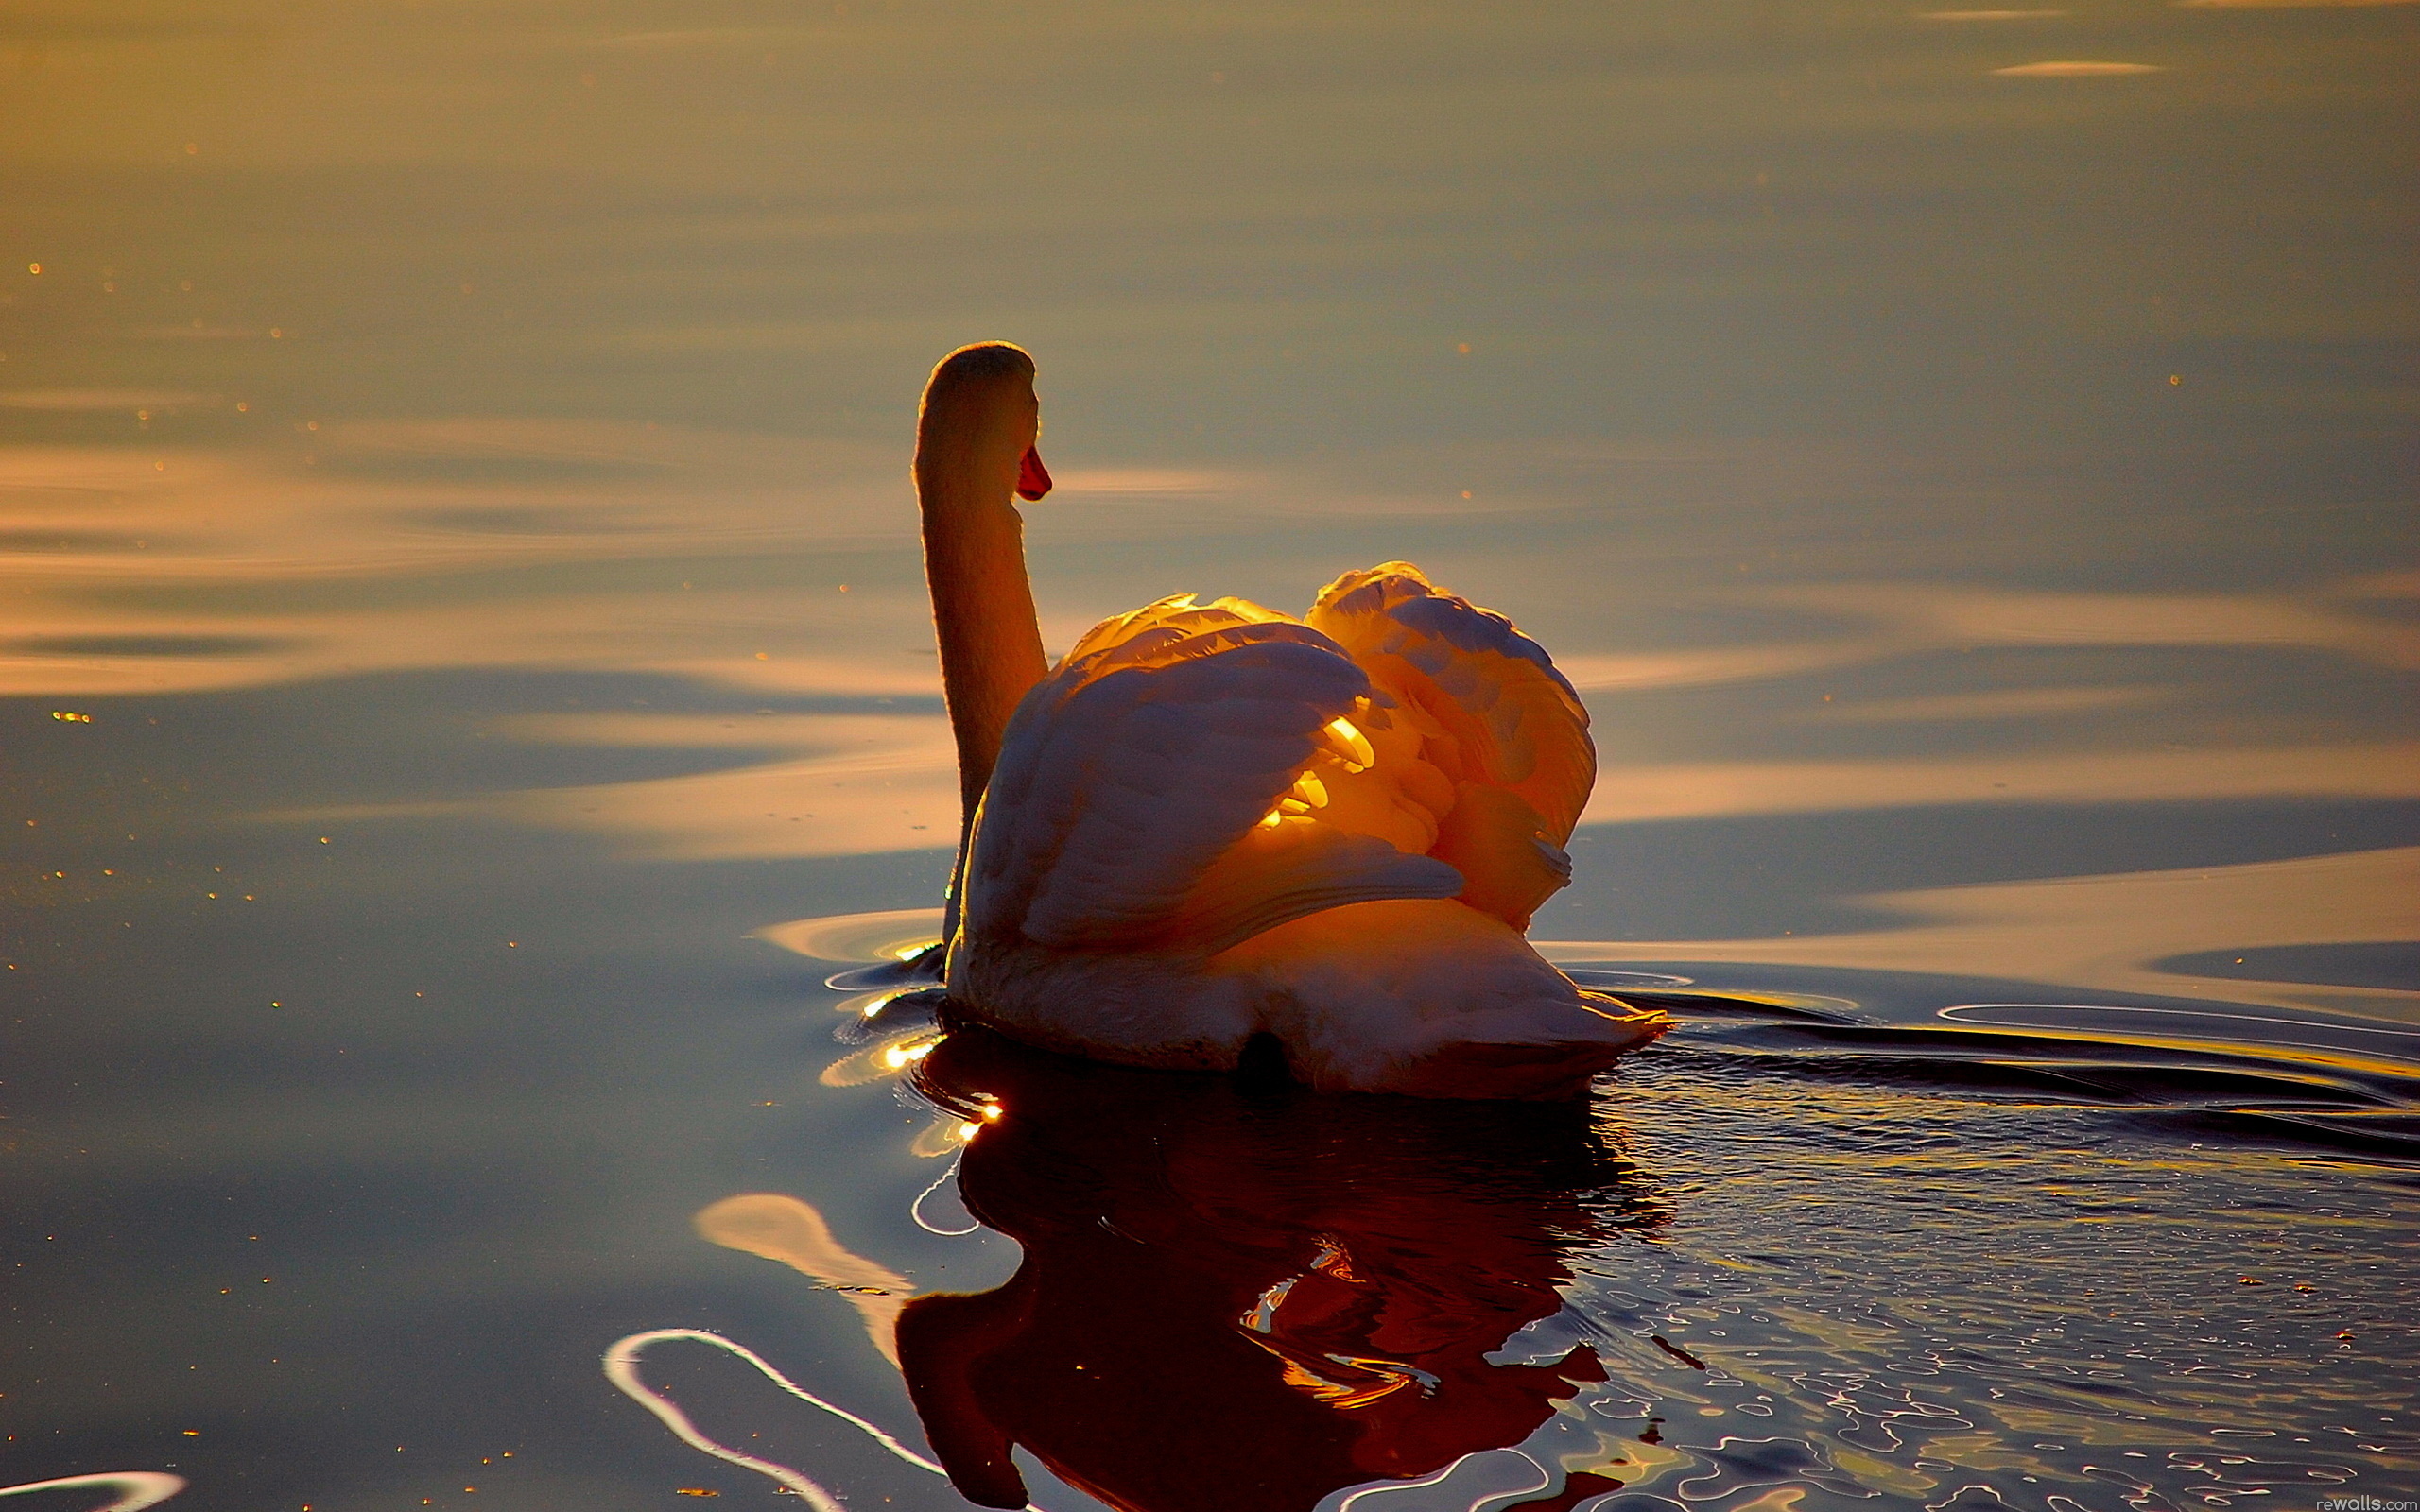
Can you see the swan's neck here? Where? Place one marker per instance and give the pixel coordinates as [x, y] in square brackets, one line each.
[991, 642]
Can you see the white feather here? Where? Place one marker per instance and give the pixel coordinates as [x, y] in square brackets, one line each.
[1123, 781]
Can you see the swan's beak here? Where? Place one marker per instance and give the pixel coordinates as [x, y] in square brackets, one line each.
[1033, 479]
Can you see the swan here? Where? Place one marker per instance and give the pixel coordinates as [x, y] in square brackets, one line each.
[1214, 827]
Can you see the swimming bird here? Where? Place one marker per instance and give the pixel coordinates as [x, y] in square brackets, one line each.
[1212, 831]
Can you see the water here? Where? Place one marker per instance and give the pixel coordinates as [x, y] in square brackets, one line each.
[452, 469]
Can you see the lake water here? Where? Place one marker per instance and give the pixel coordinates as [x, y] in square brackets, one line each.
[468, 685]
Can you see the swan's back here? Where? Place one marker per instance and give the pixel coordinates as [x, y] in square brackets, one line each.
[1212, 821]
[1126, 813]
[1497, 721]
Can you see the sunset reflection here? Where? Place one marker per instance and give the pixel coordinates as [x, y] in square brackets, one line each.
[784, 1229]
[364, 547]
[2114, 934]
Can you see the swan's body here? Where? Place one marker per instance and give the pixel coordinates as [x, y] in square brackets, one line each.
[1213, 822]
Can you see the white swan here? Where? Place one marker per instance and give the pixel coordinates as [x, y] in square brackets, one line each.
[1213, 822]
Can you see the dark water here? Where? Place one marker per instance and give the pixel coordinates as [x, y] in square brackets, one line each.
[458, 594]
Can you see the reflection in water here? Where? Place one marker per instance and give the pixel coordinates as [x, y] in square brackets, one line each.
[891, 935]
[414, 544]
[2113, 933]
[1241, 1298]
[622, 1368]
[138, 1488]
[384, 547]
[874, 783]
[787, 1230]
[1698, 790]
[1920, 614]
[2074, 68]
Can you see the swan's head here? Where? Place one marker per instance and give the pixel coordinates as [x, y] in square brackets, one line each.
[980, 413]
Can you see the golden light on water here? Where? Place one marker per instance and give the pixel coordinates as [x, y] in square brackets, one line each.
[1698, 790]
[2110, 933]
[884, 1060]
[2075, 69]
[784, 1229]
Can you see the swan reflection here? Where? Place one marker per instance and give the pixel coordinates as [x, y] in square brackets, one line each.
[1240, 1296]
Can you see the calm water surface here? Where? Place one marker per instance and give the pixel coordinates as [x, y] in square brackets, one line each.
[467, 686]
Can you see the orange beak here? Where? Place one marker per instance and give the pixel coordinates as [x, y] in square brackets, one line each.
[1033, 479]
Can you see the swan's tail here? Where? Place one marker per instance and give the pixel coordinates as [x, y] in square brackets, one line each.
[1434, 1000]
[1586, 1045]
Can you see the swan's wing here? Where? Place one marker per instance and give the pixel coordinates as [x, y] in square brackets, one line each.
[1125, 810]
[1495, 717]
[1511, 719]
[1147, 633]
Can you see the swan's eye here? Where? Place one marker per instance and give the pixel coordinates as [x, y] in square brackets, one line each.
[1351, 745]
